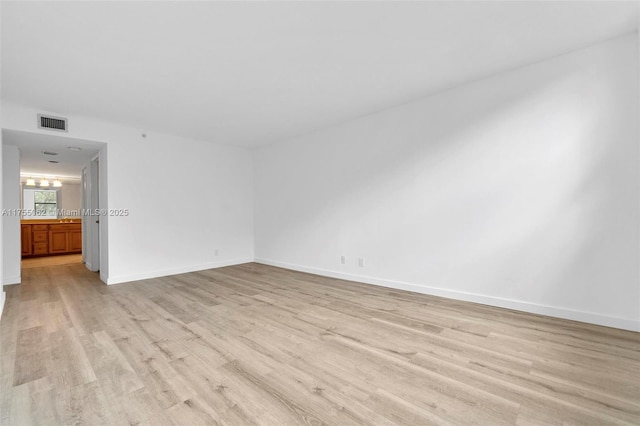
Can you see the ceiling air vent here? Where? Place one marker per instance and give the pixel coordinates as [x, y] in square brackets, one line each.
[52, 123]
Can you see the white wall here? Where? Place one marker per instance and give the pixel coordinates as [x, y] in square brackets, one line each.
[11, 222]
[70, 198]
[3, 294]
[519, 190]
[166, 228]
[157, 179]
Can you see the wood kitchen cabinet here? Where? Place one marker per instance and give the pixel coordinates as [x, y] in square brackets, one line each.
[26, 240]
[44, 239]
[40, 239]
[65, 238]
[75, 240]
[58, 241]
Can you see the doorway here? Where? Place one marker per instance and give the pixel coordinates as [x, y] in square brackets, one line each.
[58, 230]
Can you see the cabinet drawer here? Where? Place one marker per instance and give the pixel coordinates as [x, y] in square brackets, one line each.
[66, 227]
[40, 237]
[40, 227]
[40, 248]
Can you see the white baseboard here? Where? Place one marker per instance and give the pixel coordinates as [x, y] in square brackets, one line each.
[12, 280]
[173, 271]
[552, 311]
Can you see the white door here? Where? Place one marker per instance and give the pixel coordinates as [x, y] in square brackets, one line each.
[95, 222]
[91, 217]
[85, 206]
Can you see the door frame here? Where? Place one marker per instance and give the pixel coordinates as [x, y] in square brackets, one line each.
[91, 216]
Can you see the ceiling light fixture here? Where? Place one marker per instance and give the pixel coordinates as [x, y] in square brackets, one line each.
[49, 153]
[74, 148]
[57, 183]
[30, 182]
[44, 182]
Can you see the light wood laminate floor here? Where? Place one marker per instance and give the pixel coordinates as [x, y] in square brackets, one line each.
[39, 262]
[253, 344]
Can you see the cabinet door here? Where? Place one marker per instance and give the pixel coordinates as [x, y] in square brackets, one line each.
[25, 233]
[75, 240]
[58, 242]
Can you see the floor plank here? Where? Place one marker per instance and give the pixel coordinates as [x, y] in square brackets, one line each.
[39, 262]
[258, 345]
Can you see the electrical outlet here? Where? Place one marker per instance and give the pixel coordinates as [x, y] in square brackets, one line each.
[343, 260]
[361, 262]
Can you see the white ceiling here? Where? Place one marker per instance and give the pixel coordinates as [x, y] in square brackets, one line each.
[250, 73]
[34, 163]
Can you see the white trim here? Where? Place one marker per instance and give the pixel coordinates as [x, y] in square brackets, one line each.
[12, 280]
[552, 311]
[3, 298]
[173, 271]
[94, 234]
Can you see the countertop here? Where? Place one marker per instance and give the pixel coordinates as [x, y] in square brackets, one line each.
[49, 221]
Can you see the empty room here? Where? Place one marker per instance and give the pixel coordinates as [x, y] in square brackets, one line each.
[322, 212]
